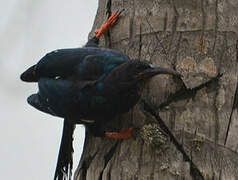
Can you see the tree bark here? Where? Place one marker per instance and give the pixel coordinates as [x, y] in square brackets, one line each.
[198, 38]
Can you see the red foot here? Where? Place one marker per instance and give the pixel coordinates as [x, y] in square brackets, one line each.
[123, 134]
[112, 19]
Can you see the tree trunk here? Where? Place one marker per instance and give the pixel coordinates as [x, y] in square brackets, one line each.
[198, 38]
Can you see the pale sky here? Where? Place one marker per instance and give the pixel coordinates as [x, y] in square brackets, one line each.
[28, 30]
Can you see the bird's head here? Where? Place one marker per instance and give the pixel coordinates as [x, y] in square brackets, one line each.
[29, 75]
[135, 71]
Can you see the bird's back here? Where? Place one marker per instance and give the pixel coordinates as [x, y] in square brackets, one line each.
[62, 62]
[65, 83]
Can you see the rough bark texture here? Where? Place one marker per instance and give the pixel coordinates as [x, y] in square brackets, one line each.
[199, 39]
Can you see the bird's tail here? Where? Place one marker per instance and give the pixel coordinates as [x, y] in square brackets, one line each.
[65, 157]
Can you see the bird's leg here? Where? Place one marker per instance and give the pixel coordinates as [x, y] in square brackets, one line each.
[123, 134]
[99, 32]
[97, 130]
[110, 22]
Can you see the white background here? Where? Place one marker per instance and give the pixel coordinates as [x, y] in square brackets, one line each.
[29, 139]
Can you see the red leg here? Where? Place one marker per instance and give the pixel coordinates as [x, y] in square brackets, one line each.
[123, 134]
[110, 22]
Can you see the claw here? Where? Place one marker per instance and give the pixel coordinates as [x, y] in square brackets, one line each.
[110, 22]
[123, 130]
[123, 134]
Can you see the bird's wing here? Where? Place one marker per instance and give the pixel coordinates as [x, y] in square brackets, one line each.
[57, 97]
[36, 101]
[65, 157]
[63, 61]
[94, 66]
[59, 63]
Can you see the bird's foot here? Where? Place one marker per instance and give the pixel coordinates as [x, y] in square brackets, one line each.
[123, 134]
[110, 22]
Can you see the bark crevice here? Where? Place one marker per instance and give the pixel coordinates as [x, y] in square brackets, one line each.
[235, 101]
[108, 13]
[85, 165]
[185, 93]
[107, 158]
[156, 36]
[174, 23]
[216, 25]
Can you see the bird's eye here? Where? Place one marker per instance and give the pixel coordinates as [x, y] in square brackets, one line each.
[141, 67]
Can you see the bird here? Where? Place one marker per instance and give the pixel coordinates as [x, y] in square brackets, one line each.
[89, 86]
[84, 64]
[95, 103]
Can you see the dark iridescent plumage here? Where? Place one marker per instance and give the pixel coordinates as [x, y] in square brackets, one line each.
[115, 91]
[64, 63]
[93, 91]
[63, 77]
[58, 75]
